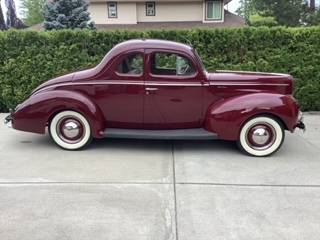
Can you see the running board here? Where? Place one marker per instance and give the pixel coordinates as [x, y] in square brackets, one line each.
[179, 134]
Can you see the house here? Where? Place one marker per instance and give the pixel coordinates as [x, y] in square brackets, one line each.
[138, 14]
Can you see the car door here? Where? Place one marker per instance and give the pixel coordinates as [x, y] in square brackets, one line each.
[174, 92]
[121, 95]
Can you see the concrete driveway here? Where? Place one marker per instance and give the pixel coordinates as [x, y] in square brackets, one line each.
[158, 190]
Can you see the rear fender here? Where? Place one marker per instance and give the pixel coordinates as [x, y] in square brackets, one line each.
[34, 114]
[227, 116]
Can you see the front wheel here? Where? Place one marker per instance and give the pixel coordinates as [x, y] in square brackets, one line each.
[70, 130]
[261, 136]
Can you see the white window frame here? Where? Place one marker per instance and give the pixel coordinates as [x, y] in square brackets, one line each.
[114, 10]
[153, 7]
[205, 11]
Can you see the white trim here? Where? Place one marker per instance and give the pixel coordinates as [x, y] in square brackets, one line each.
[204, 18]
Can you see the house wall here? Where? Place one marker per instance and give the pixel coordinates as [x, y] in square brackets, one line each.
[171, 12]
[132, 12]
[127, 13]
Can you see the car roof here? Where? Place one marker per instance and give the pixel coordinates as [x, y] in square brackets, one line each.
[153, 43]
[136, 44]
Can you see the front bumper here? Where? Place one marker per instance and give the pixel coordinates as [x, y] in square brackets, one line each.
[8, 120]
[300, 123]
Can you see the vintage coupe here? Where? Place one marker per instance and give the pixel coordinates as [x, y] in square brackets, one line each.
[160, 89]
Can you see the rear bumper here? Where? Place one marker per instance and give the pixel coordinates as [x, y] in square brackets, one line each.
[300, 124]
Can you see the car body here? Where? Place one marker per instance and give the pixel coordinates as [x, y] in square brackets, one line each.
[160, 89]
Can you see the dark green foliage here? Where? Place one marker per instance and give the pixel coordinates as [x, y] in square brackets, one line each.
[286, 13]
[29, 58]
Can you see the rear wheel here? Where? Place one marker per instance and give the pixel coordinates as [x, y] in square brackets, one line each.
[70, 130]
[261, 136]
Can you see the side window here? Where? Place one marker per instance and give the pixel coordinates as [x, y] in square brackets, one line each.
[171, 64]
[131, 64]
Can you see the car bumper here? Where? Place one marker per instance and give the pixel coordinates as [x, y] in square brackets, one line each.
[8, 120]
[300, 123]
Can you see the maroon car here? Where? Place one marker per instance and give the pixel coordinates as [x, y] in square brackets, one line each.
[160, 89]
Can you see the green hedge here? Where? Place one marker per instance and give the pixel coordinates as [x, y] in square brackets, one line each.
[28, 58]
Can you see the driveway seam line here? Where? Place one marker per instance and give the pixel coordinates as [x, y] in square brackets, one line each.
[174, 190]
[250, 185]
[155, 183]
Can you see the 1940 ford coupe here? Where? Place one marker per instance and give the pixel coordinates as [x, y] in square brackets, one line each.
[160, 89]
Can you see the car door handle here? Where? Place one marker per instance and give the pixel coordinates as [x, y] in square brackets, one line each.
[151, 89]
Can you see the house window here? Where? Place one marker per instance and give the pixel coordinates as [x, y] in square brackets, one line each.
[150, 8]
[112, 10]
[214, 10]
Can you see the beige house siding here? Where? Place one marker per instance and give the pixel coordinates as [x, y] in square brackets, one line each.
[176, 13]
[171, 12]
[127, 13]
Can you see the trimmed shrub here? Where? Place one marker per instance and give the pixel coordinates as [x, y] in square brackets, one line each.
[260, 21]
[28, 58]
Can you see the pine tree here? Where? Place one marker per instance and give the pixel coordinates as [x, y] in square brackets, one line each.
[63, 14]
[2, 22]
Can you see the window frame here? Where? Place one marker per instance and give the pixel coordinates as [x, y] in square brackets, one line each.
[154, 9]
[116, 9]
[206, 10]
[124, 56]
[163, 51]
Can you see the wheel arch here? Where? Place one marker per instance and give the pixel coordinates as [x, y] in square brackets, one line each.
[227, 116]
[35, 113]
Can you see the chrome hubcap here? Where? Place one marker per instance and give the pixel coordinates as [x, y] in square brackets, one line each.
[70, 130]
[261, 136]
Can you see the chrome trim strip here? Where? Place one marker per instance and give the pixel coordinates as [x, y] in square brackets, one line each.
[182, 84]
[248, 84]
[252, 72]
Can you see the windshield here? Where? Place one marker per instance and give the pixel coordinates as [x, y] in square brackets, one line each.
[199, 59]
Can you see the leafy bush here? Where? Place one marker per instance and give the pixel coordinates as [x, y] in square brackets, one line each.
[260, 21]
[28, 58]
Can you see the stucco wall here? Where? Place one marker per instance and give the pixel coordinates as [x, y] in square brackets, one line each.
[171, 12]
[127, 13]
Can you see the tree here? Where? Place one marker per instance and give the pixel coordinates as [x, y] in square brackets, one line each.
[62, 14]
[285, 12]
[33, 11]
[246, 9]
[12, 20]
[313, 5]
[2, 22]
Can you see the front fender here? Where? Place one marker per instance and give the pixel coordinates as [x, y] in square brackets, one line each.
[34, 114]
[227, 116]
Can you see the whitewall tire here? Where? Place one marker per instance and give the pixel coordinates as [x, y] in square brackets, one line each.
[70, 130]
[261, 136]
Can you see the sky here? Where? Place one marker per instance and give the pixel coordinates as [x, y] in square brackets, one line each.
[232, 6]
